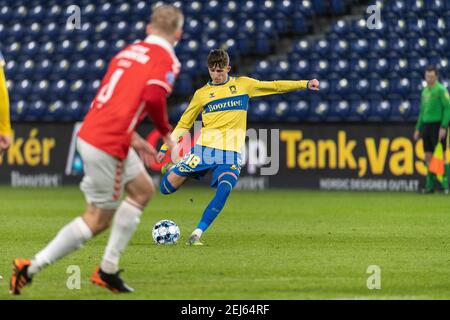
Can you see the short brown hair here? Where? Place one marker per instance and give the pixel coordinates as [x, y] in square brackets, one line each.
[432, 68]
[167, 18]
[218, 58]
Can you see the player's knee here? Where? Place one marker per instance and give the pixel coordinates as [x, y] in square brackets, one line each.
[227, 180]
[98, 220]
[141, 193]
[166, 187]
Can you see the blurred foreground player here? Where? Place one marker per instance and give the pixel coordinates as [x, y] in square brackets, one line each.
[223, 103]
[136, 85]
[432, 124]
[5, 125]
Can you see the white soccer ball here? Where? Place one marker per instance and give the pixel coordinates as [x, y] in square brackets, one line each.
[165, 232]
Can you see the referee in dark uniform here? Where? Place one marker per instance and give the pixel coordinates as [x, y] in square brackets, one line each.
[433, 122]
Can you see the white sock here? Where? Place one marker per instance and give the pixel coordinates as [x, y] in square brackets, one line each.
[125, 223]
[198, 232]
[70, 238]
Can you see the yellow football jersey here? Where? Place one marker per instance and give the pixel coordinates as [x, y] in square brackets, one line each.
[5, 125]
[224, 110]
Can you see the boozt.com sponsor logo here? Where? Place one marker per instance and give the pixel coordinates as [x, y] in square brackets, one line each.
[235, 103]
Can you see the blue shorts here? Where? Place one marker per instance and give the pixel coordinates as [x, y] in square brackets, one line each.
[202, 159]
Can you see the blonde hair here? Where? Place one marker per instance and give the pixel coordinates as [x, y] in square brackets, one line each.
[167, 18]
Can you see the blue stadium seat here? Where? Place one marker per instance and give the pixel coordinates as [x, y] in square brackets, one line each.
[298, 111]
[303, 48]
[380, 109]
[322, 47]
[400, 86]
[18, 110]
[360, 27]
[97, 69]
[341, 28]
[23, 89]
[212, 7]
[325, 88]
[279, 111]
[37, 13]
[59, 89]
[320, 67]
[339, 110]
[396, 6]
[249, 7]
[361, 66]
[360, 46]
[319, 110]
[379, 86]
[397, 45]
[54, 111]
[444, 67]
[231, 7]
[401, 110]
[192, 26]
[340, 66]
[340, 47]
[379, 66]
[286, 7]
[35, 111]
[343, 87]
[73, 111]
[416, 6]
[359, 110]
[305, 7]
[282, 67]
[40, 90]
[258, 110]
[437, 6]
[301, 67]
[362, 87]
[6, 13]
[27, 69]
[191, 67]
[263, 67]
[92, 88]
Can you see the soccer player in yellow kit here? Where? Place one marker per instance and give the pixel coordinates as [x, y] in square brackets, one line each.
[5, 125]
[223, 102]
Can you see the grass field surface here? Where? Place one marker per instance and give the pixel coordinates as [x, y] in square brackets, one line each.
[277, 244]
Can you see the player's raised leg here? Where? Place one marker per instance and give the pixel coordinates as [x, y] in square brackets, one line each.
[226, 182]
[171, 181]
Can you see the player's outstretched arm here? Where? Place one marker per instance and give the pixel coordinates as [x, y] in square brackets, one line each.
[258, 88]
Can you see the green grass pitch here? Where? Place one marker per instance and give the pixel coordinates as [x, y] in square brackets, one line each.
[264, 245]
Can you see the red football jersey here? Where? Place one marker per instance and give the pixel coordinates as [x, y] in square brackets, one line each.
[119, 105]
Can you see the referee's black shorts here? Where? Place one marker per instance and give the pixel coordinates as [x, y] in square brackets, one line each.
[430, 136]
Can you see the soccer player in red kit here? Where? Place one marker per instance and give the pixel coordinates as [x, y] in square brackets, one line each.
[136, 85]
